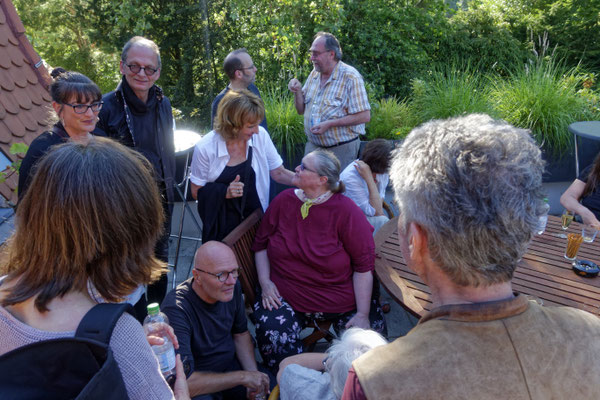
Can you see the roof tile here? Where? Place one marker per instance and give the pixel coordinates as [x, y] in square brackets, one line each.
[6, 81]
[28, 120]
[2, 17]
[14, 125]
[16, 56]
[2, 112]
[31, 76]
[5, 135]
[8, 101]
[23, 99]
[18, 76]
[34, 92]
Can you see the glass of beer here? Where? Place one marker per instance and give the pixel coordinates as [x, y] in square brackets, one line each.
[573, 242]
[589, 233]
[567, 218]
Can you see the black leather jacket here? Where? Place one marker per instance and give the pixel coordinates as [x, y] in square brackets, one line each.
[115, 122]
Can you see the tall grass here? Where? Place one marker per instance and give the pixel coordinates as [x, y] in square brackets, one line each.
[286, 127]
[450, 91]
[542, 97]
[390, 119]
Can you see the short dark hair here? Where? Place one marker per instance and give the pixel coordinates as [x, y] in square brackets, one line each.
[331, 44]
[378, 155]
[69, 84]
[233, 63]
[81, 221]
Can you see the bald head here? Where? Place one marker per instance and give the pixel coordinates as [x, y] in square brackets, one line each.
[214, 253]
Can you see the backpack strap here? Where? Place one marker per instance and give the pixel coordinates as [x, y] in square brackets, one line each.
[99, 322]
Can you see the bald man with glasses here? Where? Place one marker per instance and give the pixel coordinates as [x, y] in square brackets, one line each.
[208, 315]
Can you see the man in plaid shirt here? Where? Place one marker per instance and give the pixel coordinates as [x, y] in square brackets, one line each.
[333, 100]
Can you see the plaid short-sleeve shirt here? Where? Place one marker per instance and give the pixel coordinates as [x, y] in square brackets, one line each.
[343, 94]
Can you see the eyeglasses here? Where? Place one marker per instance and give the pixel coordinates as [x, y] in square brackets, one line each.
[222, 276]
[82, 108]
[250, 67]
[304, 168]
[149, 71]
[315, 53]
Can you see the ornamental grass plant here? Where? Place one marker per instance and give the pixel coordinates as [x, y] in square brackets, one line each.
[391, 119]
[542, 97]
[450, 91]
[286, 126]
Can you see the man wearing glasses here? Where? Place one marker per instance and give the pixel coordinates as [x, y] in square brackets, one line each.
[241, 71]
[138, 115]
[208, 315]
[333, 100]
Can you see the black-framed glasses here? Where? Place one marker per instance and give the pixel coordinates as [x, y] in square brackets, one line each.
[250, 67]
[222, 276]
[316, 53]
[149, 71]
[304, 168]
[82, 108]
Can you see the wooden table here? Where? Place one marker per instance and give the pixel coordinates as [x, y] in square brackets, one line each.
[543, 272]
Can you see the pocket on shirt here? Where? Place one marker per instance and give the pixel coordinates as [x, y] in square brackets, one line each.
[332, 109]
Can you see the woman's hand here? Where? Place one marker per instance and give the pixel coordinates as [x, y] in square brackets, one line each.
[363, 170]
[180, 389]
[270, 295]
[156, 340]
[360, 321]
[589, 218]
[235, 188]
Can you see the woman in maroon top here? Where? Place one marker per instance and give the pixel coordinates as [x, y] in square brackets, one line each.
[314, 256]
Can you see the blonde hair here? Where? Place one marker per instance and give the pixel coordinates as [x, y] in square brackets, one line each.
[236, 109]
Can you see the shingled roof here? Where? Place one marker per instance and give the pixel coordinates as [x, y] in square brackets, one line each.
[24, 97]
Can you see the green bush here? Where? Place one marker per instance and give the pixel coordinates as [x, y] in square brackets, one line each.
[286, 126]
[449, 92]
[390, 119]
[542, 97]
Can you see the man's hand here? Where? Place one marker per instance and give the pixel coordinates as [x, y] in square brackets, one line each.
[294, 85]
[363, 170]
[321, 127]
[255, 382]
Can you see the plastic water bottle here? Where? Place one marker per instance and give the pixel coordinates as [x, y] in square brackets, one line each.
[543, 218]
[154, 324]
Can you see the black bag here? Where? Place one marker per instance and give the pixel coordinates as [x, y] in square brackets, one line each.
[81, 368]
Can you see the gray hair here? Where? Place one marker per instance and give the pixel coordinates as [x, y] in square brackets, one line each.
[474, 184]
[354, 343]
[331, 44]
[328, 165]
[140, 41]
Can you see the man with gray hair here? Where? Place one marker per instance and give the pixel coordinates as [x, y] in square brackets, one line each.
[241, 71]
[139, 115]
[333, 100]
[469, 190]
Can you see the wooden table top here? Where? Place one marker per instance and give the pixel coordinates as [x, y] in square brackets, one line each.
[543, 272]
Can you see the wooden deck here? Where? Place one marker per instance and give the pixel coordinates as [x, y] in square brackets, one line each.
[543, 273]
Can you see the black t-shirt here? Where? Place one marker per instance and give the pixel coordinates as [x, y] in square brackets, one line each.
[592, 200]
[205, 331]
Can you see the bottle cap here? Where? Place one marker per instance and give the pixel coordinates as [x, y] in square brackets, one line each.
[153, 308]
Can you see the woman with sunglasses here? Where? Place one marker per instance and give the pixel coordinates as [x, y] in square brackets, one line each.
[76, 100]
[315, 256]
[233, 164]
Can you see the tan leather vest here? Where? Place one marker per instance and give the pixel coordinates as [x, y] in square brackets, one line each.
[513, 350]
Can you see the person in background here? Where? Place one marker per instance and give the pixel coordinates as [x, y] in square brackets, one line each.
[469, 190]
[232, 166]
[583, 196]
[322, 376]
[85, 228]
[76, 101]
[333, 101]
[366, 180]
[139, 115]
[209, 318]
[241, 71]
[315, 256]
